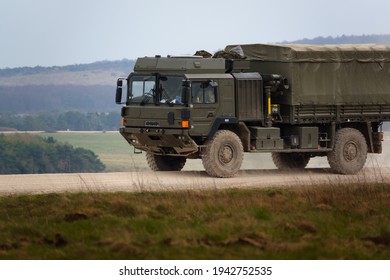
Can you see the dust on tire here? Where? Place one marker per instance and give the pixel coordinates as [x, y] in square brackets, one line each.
[224, 154]
[350, 151]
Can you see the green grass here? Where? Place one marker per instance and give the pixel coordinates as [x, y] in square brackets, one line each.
[336, 222]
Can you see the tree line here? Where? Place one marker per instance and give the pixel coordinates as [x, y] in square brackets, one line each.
[54, 121]
[28, 154]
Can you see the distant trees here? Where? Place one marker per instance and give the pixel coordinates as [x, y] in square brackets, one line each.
[27, 154]
[53, 121]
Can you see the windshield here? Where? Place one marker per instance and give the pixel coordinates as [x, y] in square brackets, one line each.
[150, 90]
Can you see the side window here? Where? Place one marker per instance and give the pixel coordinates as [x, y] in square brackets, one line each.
[197, 92]
[203, 92]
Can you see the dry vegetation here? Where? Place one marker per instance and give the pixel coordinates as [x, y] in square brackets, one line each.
[329, 222]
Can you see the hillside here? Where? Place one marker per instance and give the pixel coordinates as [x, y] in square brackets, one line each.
[97, 73]
[83, 87]
[363, 39]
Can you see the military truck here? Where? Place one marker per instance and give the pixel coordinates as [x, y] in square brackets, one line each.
[294, 101]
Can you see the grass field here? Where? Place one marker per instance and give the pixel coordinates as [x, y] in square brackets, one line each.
[333, 222]
[112, 149]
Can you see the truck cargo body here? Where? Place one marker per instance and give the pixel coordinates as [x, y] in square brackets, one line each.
[338, 83]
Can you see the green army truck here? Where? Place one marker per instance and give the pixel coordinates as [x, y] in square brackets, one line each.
[294, 101]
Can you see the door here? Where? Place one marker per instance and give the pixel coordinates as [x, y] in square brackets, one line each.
[204, 99]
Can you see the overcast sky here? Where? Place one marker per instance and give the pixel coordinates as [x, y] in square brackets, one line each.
[63, 32]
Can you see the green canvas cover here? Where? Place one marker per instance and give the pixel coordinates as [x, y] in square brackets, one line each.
[326, 74]
[316, 53]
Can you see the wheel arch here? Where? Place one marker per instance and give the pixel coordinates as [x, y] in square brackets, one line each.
[232, 124]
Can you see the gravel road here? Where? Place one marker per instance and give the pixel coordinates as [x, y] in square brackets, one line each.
[165, 181]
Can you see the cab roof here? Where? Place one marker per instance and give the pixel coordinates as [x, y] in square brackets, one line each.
[193, 64]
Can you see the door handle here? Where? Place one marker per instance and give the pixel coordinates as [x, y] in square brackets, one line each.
[210, 115]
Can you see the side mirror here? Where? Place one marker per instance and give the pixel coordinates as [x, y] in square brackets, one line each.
[118, 95]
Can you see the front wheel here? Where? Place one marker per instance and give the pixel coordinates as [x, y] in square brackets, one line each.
[349, 153]
[165, 163]
[224, 154]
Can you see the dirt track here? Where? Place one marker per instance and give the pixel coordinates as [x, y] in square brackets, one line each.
[154, 181]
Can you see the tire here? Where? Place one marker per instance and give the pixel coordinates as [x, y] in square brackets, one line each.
[224, 154]
[285, 161]
[349, 152]
[165, 163]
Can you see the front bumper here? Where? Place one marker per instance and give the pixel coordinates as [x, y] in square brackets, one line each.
[173, 142]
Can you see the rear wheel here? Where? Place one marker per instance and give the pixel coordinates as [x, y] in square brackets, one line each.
[286, 161]
[165, 163]
[224, 154]
[349, 153]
